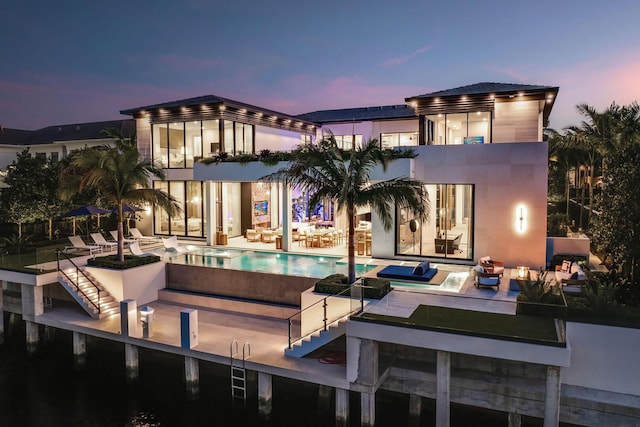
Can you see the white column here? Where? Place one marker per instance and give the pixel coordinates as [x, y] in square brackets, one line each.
[210, 211]
[129, 318]
[224, 203]
[342, 407]
[286, 218]
[552, 397]
[192, 376]
[79, 350]
[265, 395]
[443, 379]
[131, 362]
[32, 303]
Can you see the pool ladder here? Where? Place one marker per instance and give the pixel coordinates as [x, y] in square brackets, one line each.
[239, 372]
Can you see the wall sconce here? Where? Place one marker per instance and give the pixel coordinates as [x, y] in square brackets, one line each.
[521, 219]
[522, 272]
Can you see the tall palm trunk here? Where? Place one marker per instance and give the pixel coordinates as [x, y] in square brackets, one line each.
[120, 234]
[351, 245]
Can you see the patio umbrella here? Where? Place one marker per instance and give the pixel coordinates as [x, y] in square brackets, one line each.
[85, 211]
[127, 209]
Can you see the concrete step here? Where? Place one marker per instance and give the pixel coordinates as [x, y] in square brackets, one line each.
[317, 340]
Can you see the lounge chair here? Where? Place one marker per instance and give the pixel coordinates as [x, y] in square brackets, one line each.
[102, 242]
[134, 247]
[80, 245]
[171, 243]
[114, 234]
[488, 272]
[137, 235]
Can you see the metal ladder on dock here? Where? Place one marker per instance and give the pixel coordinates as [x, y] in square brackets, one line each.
[238, 371]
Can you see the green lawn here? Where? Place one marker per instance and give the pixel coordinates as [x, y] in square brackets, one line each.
[524, 328]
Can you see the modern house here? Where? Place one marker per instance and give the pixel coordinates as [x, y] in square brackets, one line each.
[480, 152]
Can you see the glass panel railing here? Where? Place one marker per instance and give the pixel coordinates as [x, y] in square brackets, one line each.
[320, 315]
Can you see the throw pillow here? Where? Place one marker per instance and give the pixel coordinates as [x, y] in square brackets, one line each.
[566, 266]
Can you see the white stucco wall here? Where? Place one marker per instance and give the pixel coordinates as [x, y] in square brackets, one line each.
[504, 176]
[603, 358]
[275, 139]
[139, 283]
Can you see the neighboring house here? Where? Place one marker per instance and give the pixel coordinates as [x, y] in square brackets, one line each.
[56, 142]
[480, 152]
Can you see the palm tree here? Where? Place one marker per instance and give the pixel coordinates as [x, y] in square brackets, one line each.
[327, 172]
[595, 136]
[120, 176]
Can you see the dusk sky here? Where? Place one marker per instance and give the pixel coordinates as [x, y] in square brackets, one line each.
[67, 62]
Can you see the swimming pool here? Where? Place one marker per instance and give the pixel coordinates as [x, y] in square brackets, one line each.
[271, 262]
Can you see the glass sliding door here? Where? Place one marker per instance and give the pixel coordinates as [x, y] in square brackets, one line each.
[176, 145]
[160, 137]
[193, 142]
[448, 233]
[194, 209]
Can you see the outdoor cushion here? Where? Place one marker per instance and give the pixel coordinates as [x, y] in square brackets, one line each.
[406, 273]
[421, 268]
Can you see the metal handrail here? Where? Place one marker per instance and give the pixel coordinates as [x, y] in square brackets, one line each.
[78, 270]
[325, 321]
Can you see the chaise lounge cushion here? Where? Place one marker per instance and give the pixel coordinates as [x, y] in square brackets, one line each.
[402, 272]
[421, 268]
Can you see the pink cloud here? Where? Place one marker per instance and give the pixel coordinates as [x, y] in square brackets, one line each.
[306, 93]
[402, 59]
[595, 83]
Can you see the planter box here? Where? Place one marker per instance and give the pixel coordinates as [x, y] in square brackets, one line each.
[234, 171]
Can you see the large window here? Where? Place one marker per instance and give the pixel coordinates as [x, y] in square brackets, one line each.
[459, 128]
[180, 144]
[348, 142]
[449, 233]
[190, 221]
[401, 139]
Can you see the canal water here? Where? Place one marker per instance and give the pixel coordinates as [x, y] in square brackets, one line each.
[46, 389]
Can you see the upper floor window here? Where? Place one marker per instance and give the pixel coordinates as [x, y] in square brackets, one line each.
[348, 142]
[459, 128]
[180, 144]
[400, 139]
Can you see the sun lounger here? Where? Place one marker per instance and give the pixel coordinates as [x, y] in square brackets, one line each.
[420, 273]
[101, 241]
[134, 247]
[114, 234]
[136, 234]
[80, 245]
[171, 243]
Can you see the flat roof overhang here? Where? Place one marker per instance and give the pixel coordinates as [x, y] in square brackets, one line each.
[431, 104]
[210, 107]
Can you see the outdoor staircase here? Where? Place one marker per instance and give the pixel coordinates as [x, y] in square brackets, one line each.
[88, 292]
[317, 339]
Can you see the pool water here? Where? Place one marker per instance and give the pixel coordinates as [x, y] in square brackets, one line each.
[272, 262]
[453, 283]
